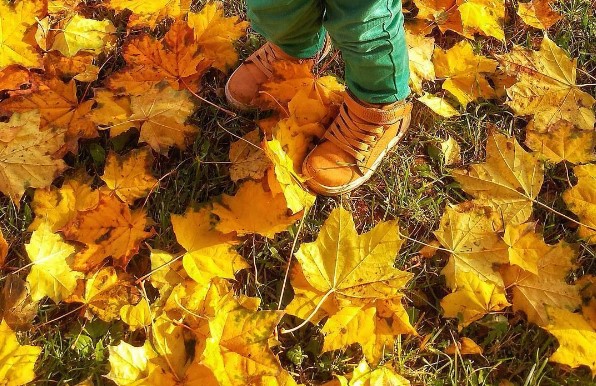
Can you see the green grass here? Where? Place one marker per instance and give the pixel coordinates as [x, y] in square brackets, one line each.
[412, 185]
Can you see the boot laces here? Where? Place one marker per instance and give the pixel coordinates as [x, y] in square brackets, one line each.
[264, 58]
[355, 138]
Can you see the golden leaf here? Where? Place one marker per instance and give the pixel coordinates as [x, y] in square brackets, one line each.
[16, 361]
[175, 59]
[509, 179]
[237, 349]
[79, 67]
[465, 346]
[451, 151]
[444, 13]
[150, 13]
[363, 375]
[248, 158]
[534, 293]
[562, 141]
[16, 19]
[439, 105]
[80, 34]
[538, 13]
[581, 200]
[3, 250]
[130, 176]
[253, 210]
[216, 34]
[546, 87]
[209, 253]
[110, 229]
[465, 72]
[576, 339]
[51, 270]
[420, 52]
[483, 16]
[138, 315]
[13, 77]
[26, 155]
[59, 108]
[526, 247]
[469, 232]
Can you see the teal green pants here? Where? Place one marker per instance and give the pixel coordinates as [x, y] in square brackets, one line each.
[369, 34]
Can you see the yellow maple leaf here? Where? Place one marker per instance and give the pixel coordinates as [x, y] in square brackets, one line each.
[290, 182]
[581, 200]
[79, 67]
[374, 326]
[576, 339]
[248, 157]
[526, 246]
[363, 375]
[483, 16]
[59, 108]
[56, 207]
[14, 77]
[51, 270]
[17, 361]
[112, 112]
[237, 349]
[80, 34]
[562, 141]
[464, 72]
[509, 179]
[439, 105]
[534, 293]
[130, 176]
[451, 151]
[162, 113]
[137, 315]
[538, 13]
[420, 52]
[110, 229]
[16, 20]
[26, 155]
[444, 13]
[470, 233]
[253, 210]
[150, 13]
[105, 292]
[546, 87]
[209, 253]
[56, 7]
[216, 34]
[473, 299]
[175, 59]
[465, 346]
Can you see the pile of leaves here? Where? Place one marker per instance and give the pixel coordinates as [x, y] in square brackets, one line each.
[132, 76]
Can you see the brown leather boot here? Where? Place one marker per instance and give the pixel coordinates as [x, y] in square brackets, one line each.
[354, 145]
[243, 85]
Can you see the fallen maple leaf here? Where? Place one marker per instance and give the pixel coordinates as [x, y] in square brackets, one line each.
[130, 176]
[209, 253]
[546, 87]
[576, 339]
[59, 108]
[16, 361]
[138, 315]
[14, 77]
[17, 308]
[534, 293]
[363, 375]
[237, 349]
[51, 272]
[79, 67]
[216, 34]
[110, 229]
[253, 210]
[420, 52]
[509, 180]
[464, 72]
[26, 155]
[562, 141]
[175, 59]
[162, 113]
[16, 20]
[581, 200]
[538, 13]
[444, 13]
[248, 157]
[150, 13]
[3, 249]
[483, 16]
[439, 105]
[465, 346]
[80, 34]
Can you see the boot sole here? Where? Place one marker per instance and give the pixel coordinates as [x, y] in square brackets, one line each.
[338, 190]
[247, 107]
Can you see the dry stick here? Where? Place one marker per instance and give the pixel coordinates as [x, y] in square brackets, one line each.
[553, 210]
[60, 317]
[230, 113]
[139, 280]
[283, 287]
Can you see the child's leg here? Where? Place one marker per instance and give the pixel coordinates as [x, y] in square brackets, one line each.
[293, 25]
[370, 35]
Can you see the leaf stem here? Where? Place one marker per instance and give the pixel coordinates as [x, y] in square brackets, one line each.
[283, 287]
[284, 331]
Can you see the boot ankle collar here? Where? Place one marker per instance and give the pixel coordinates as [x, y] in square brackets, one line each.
[376, 115]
